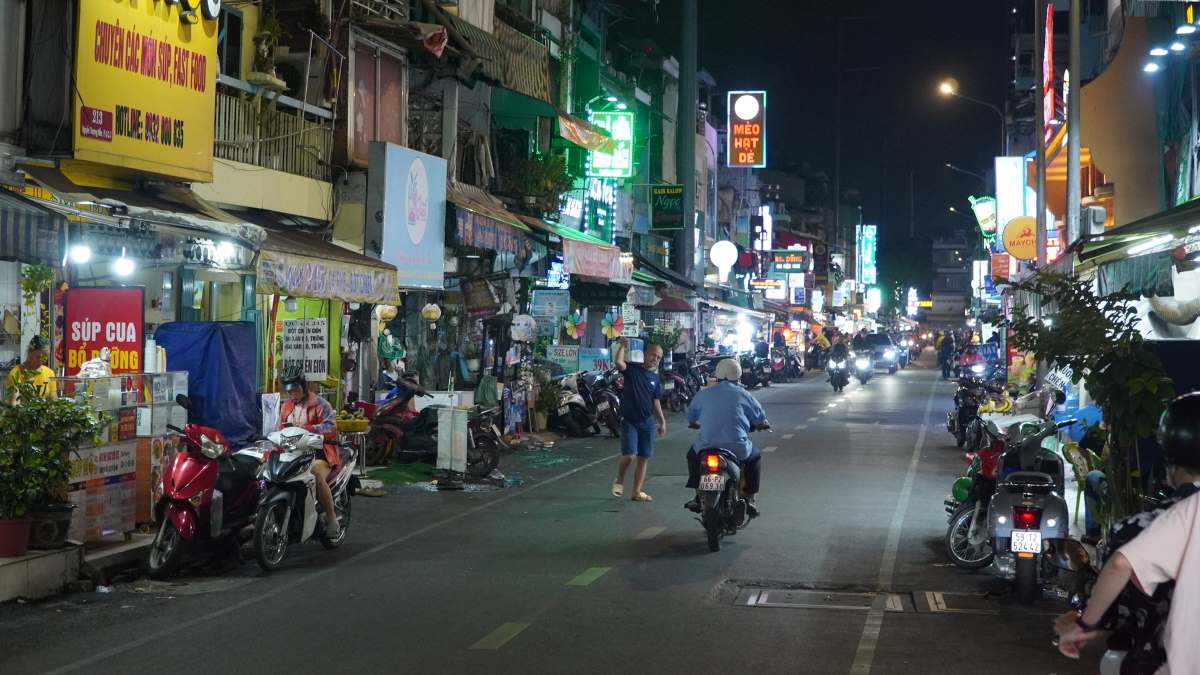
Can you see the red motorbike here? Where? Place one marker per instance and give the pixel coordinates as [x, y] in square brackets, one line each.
[209, 495]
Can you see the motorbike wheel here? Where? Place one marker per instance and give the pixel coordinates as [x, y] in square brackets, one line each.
[381, 444]
[341, 504]
[892, 370]
[711, 519]
[959, 548]
[270, 536]
[570, 425]
[483, 458]
[1025, 586]
[166, 551]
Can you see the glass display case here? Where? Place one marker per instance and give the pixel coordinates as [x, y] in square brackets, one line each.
[141, 405]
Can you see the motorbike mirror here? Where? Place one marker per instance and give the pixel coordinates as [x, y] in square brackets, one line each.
[183, 401]
[1071, 555]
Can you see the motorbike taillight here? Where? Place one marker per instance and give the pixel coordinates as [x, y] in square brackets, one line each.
[712, 463]
[1026, 518]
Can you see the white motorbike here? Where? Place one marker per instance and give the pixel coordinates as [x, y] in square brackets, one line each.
[289, 512]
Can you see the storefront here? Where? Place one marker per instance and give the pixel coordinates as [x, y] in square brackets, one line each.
[729, 328]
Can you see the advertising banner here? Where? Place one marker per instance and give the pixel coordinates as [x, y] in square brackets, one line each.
[867, 247]
[566, 356]
[666, 207]
[790, 260]
[593, 260]
[631, 318]
[306, 344]
[145, 86]
[96, 318]
[1020, 238]
[307, 277]
[594, 358]
[550, 303]
[406, 211]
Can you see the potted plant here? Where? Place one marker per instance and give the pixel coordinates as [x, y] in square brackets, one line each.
[548, 399]
[38, 434]
[472, 353]
[540, 181]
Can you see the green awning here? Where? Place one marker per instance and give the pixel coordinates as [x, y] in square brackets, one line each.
[562, 232]
[647, 278]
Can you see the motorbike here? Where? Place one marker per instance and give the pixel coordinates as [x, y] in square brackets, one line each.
[1028, 514]
[604, 405]
[794, 363]
[817, 357]
[864, 366]
[724, 510]
[677, 392]
[839, 374]
[572, 415]
[289, 512]
[209, 495]
[785, 365]
[971, 392]
[967, 543]
[389, 418]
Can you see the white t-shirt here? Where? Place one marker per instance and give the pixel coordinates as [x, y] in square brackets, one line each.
[1170, 550]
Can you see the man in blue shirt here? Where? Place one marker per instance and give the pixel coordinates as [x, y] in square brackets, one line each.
[726, 414]
[641, 412]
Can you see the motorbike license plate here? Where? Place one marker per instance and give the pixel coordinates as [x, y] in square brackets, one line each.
[563, 410]
[1026, 542]
[668, 386]
[602, 406]
[713, 482]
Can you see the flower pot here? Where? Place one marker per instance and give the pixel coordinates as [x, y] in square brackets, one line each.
[49, 525]
[14, 537]
[539, 420]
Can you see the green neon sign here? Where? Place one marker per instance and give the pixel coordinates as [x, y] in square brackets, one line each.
[618, 164]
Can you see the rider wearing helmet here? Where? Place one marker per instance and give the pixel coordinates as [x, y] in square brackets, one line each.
[1146, 574]
[305, 409]
[726, 414]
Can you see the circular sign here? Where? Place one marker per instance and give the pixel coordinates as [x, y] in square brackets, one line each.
[746, 107]
[1020, 238]
[416, 207]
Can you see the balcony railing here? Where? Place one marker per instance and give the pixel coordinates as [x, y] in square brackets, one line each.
[272, 132]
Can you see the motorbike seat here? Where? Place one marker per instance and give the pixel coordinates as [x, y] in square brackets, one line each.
[1029, 480]
[235, 471]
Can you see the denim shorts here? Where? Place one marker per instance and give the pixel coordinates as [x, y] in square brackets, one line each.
[637, 438]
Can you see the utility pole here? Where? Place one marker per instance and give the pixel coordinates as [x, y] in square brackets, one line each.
[1039, 134]
[837, 129]
[1073, 128]
[685, 146]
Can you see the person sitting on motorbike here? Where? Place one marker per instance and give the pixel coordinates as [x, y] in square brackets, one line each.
[1146, 574]
[970, 357]
[862, 341]
[841, 350]
[312, 413]
[726, 414]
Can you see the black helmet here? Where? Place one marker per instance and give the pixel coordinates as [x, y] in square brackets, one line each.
[292, 377]
[1179, 432]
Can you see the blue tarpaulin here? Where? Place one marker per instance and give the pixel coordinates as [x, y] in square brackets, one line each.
[220, 359]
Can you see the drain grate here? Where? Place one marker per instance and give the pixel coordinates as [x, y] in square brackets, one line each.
[790, 598]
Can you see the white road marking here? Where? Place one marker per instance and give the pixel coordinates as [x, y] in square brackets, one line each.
[650, 533]
[864, 655]
[770, 448]
[812, 419]
[500, 637]
[788, 436]
[801, 427]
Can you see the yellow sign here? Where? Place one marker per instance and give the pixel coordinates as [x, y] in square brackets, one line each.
[1020, 238]
[146, 77]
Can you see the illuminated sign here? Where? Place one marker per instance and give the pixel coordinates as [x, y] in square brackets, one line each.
[1020, 238]
[985, 213]
[790, 260]
[874, 299]
[618, 164]
[1048, 76]
[867, 244]
[766, 284]
[145, 86]
[913, 302]
[666, 207]
[746, 137]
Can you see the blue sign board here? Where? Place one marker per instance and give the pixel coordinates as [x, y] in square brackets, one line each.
[406, 212]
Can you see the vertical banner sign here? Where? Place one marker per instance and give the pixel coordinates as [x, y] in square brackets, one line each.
[619, 162]
[867, 246]
[1000, 266]
[96, 318]
[666, 207]
[1048, 75]
[747, 132]
[146, 74]
[406, 212]
[306, 344]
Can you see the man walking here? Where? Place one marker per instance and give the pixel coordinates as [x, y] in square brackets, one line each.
[641, 412]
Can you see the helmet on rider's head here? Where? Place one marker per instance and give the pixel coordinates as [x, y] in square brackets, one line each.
[729, 369]
[293, 378]
[1179, 432]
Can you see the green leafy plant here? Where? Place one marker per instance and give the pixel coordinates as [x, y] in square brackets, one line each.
[1096, 336]
[666, 338]
[35, 279]
[540, 178]
[38, 435]
[472, 351]
[549, 397]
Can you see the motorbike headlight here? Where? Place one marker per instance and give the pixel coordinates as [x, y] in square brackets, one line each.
[862, 363]
[210, 448]
[977, 368]
[839, 364]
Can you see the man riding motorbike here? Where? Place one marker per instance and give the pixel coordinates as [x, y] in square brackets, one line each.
[314, 414]
[726, 414]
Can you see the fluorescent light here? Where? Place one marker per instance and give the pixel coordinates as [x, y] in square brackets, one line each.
[1178, 46]
[1159, 51]
[123, 266]
[1185, 29]
[80, 254]
[1151, 67]
[1147, 245]
[610, 98]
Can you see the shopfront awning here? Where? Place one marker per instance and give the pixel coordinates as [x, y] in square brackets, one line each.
[670, 303]
[302, 265]
[726, 307]
[507, 56]
[1169, 228]
[482, 221]
[29, 233]
[586, 255]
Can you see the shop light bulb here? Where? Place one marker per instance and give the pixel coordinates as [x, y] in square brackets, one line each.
[1151, 67]
[1159, 51]
[1178, 46]
[123, 266]
[1185, 29]
[81, 253]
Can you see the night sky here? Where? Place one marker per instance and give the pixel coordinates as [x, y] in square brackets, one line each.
[893, 120]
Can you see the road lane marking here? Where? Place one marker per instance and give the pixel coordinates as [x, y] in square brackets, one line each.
[801, 427]
[864, 655]
[307, 579]
[787, 437]
[589, 575]
[812, 419]
[500, 637]
[649, 533]
[771, 448]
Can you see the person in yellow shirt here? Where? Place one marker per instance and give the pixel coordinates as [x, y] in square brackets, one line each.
[33, 370]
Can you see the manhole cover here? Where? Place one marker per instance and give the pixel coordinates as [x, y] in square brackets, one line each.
[814, 599]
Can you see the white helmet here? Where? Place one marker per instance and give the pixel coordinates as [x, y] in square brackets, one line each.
[729, 369]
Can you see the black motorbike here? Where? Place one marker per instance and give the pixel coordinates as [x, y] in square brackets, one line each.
[724, 509]
[598, 391]
[839, 373]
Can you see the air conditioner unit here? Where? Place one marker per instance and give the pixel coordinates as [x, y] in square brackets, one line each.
[1092, 219]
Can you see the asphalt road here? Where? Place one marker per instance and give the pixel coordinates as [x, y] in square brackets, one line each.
[844, 573]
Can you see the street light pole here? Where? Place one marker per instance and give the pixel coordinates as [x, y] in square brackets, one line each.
[981, 177]
[1039, 134]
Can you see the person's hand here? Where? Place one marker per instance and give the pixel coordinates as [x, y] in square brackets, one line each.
[662, 428]
[1071, 637]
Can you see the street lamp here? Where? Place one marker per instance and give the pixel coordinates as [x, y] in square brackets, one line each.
[949, 87]
[950, 166]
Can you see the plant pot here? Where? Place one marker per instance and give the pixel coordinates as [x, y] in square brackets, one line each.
[539, 420]
[14, 537]
[49, 525]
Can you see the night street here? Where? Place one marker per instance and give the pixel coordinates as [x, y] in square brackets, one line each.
[559, 576]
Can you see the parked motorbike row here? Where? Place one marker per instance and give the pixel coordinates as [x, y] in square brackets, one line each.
[1008, 510]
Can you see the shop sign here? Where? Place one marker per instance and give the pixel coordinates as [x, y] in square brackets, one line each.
[593, 260]
[1060, 378]
[306, 344]
[305, 277]
[799, 296]
[145, 85]
[547, 326]
[985, 214]
[839, 298]
[566, 356]
[480, 298]
[790, 260]
[619, 162]
[766, 284]
[747, 129]
[1048, 76]
[485, 232]
[1020, 238]
[550, 303]
[595, 358]
[98, 318]
[631, 318]
[1000, 266]
[868, 272]
[406, 211]
[666, 207]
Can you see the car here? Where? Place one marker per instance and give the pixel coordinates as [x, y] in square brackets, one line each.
[887, 354]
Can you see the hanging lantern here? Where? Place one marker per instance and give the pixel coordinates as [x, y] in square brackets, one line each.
[431, 312]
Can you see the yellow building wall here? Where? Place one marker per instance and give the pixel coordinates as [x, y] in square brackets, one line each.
[246, 185]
